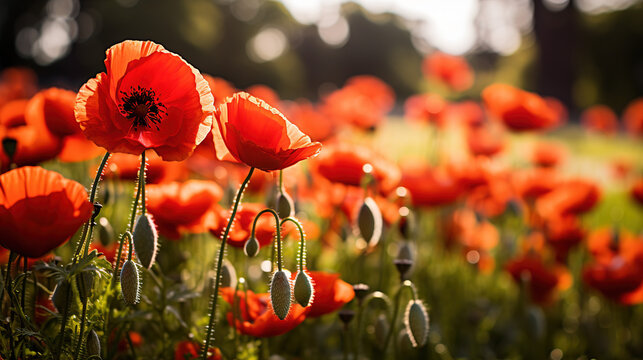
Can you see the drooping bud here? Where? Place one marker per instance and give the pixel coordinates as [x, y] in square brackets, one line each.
[10, 145]
[145, 240]
[130, 283]
[251, 247]
[416, 321]
[405, 344]
[369, 222]
[403, 266]
[228, 274]
[361, 290]
[93, 344]
[346, 315]
[405, 252]
[381, 330]
[85, 284]
[61, 295]
[280, 294]
[285, 205]
[105, 231]
[303, 289]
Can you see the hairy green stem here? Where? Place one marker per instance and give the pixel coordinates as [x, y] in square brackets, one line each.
[301, 258]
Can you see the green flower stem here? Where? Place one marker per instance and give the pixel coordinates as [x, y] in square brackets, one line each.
[301, 258]
[277, 236]
[92, 198]
[224, 239]
[82, 329]
[396, 310]
[63, 324]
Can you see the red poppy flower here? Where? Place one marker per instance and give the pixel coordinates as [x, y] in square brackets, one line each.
[331, 293]
[425, 108]
[344, 163]
[35, 143]
[548, 154]
[191, 206]
[242, 226]
[563, 233]
[484, 141]
[519, 110]
[569, 198]
[54, 109]
[149, 98]
[265, 93]
[543, 280]
[454, 71]
[637, 190]
[633, 117]
[310, 120]
[429, 186]
[221, 89]
[187, 349]
[125, 167]
[491, 197]
[255, 317]
[375, 89]
[559, 108]
[258, 135]
[39, 210]
[617, 271]
[530, 184]
[17, 83]
[600, 118]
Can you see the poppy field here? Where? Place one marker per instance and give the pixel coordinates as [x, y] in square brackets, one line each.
[158, 212]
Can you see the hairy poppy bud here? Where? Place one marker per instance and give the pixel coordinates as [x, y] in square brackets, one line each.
[228, 275]
[145, 240]
[60, 297]
[369, 221]
[405, 344]
[303, 289]
[93, 344]
[381, 330]
[105, 231]
[285, 205]
[280, 294]
[130, 283]
[416, 321]
[251, 247]
[85, 283]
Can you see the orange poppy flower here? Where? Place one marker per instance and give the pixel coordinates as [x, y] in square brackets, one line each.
[484, 141]
[600, 118]
[191, 206]
[633, 117]
[344, 163]
[265, 93]
[519, 110]
[375, 89]
[563, 233]
[252, 132]
[492, 197]
[425, 108]
[453, 71]
[35, 143]
[255, 317]
[186, 350]
[331, 293]
[311, 121]
[637, 190]
[617, 270]
[149, 98]
[221, 89]
[125, 167]
[548, 154]
[543, 280]
[568, 198]
[430, 186]
[40, 210]
[242, 226]
[54, 109]
[17, 83]
[529, 184]
[559, 108]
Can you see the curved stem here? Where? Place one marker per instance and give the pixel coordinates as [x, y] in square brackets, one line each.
[278, 230]
[224, 239]
[301, 258]
[92, 198]
[396, 310]
[119, 254]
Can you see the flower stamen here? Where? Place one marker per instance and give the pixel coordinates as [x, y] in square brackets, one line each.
[143, 107]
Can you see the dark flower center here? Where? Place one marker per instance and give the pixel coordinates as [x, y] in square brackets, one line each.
[143, 107]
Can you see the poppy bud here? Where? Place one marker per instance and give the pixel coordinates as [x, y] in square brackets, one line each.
[97, 208]
[93, 344]
[105, 231]
[85, 283]
[60, 296]
[280, 294]
[228, 275]
[416, 321]
[303, 289]
[381, 330]
[145, 240]
[251, 248]
[405, 344]
[369, 221]
[285, 205]
[403, 266]
[407, 224]
[346, 315]
[9, 145]
[130, 283]
[361, 290]
[405, 252]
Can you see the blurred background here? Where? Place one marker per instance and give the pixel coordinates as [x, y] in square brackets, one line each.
[582, 52]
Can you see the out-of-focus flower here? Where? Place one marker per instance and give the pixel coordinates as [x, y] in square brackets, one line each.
[519, 110]
[563, 233]
[548, 154]
[252, 132]
[633, 117]
[637, 190]
[454, 71]
[310, 120]
[543, 280]
[265, 93]
[425, 108]
[600, 118]
[252, 314]
[242, 226]
[429, 186]
[617, 270]
[331, 293]
[559, 108]
[484, 141]
[17, 83]
[530, 184]
[221, 89]
[571, 197]
[190, 207]
[39, 210]
[125, 167]
[187, 350]
[149, 98]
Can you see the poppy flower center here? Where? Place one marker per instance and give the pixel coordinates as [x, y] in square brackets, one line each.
[143, 107]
